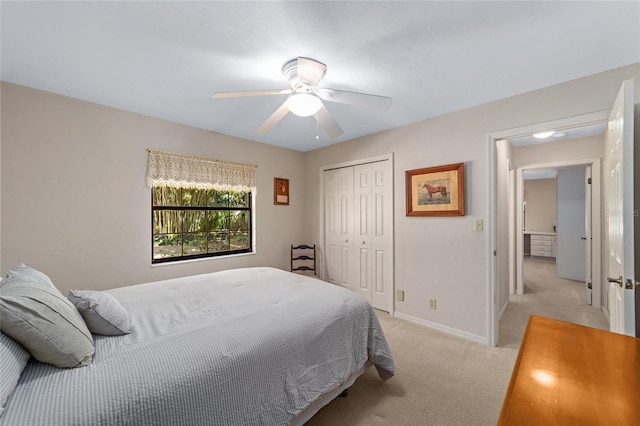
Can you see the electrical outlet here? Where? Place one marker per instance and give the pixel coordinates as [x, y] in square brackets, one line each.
[400, 295]
[432, 303]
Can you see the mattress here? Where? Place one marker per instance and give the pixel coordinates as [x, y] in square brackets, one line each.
[237, 347]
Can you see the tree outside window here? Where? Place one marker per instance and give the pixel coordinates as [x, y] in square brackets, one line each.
[191, 223]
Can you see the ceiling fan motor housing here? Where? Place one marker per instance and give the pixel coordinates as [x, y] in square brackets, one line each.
[290, 74]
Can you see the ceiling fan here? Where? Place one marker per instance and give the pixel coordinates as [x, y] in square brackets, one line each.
[303, 76]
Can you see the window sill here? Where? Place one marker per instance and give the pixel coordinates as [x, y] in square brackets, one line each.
[202, 259]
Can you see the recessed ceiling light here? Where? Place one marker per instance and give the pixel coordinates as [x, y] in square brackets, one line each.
[543, 135]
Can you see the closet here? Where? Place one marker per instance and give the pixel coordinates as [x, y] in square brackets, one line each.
[359, 230]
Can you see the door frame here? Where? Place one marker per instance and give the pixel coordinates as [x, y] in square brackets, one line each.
[321, 268]
[596, 222]
[492, 249]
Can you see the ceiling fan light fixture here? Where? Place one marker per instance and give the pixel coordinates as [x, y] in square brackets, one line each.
[303, 104]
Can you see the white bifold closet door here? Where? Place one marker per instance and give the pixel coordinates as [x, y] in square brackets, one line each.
[359, 230]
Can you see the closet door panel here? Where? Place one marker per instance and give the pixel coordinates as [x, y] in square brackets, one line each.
[359, 230]
[362, 226]
[346, 226]
[382, 235]
[332, 226]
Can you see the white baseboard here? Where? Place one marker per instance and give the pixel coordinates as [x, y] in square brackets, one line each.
[443, 328]
[503, 310]
[605, 312]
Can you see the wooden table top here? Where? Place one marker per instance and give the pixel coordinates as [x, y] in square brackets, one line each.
[568, 374]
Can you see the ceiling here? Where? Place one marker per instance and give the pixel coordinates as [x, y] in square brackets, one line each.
[596, 129]
[166, 59]
[536, 174]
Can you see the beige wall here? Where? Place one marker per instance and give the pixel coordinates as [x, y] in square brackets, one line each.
[541, 204]
[573, 149]
[75, 203]
[445, 258]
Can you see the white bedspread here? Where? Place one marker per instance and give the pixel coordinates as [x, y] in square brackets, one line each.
[238, 347]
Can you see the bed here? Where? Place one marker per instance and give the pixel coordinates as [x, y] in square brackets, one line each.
[236, 347]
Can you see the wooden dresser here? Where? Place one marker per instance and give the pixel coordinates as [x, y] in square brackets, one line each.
[568, 374]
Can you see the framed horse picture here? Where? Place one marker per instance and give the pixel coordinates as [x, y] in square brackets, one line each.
[435, 191]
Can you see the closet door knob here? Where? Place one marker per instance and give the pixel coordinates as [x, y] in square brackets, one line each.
[615, 280]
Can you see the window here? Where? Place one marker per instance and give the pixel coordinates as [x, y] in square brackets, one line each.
[191, 223]
[200, 207]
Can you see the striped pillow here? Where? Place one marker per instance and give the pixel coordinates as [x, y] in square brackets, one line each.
[13, 358]
[41, 319]
[102, 313]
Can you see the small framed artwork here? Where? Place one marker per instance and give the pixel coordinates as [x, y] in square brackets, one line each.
[435, 191]
[281, 191]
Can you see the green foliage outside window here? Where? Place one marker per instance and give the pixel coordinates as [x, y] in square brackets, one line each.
[192, 223]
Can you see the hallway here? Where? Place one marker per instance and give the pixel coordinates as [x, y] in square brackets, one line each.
[549, 296]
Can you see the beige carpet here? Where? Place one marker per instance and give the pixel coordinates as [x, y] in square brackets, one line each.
[445, 380]
[549, 296]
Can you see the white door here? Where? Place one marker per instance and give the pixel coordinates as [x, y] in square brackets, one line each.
[332, 225]
[345, 243]
[338, 185]
[373, 243]
[620, 212]
[359, 230]
[570, 259]
[362, 229]
[382, 235]
[587, 235]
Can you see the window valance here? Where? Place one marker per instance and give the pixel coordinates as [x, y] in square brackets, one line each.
[186, 171]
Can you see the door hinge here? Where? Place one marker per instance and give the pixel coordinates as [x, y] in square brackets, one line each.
[589, 181]
[629, 284]
[589, 286]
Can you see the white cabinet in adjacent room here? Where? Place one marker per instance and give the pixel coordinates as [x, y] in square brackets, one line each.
[542, 245]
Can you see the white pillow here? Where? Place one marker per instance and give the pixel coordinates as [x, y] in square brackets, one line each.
[13, 359]
[41, 319]
[102, 313]
[31, 272]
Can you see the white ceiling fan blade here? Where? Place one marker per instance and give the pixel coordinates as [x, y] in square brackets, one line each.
[327, 122]
[273, 119]
[310, 71]
[381, 103]
[219, 95]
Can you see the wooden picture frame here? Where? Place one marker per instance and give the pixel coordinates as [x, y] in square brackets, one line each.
[281, 191]
[435, 191]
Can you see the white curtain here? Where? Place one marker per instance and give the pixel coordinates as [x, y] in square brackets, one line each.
[186, 171]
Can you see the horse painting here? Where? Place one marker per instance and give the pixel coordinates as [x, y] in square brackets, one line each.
[435, 189]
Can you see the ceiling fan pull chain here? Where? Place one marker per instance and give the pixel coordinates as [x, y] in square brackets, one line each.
[317, 125]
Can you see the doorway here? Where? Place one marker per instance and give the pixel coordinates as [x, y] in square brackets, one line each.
[563, 243]
[501, 200]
